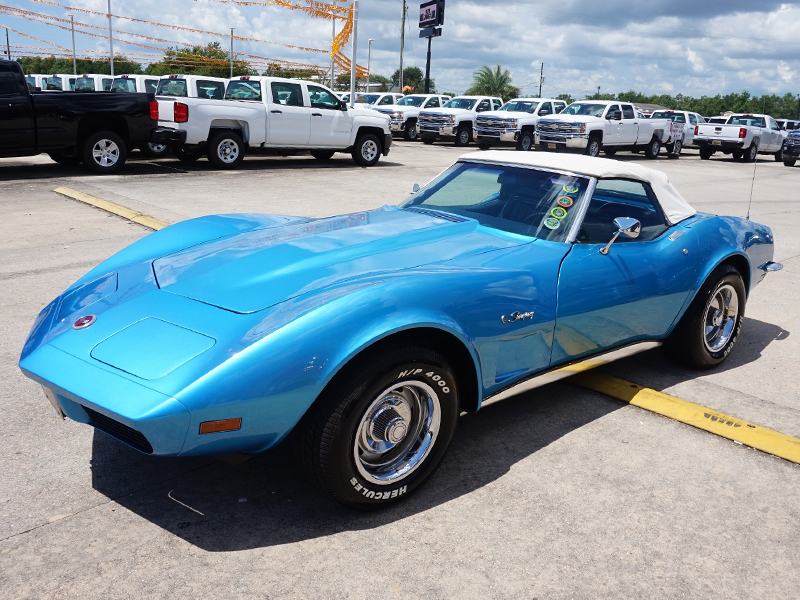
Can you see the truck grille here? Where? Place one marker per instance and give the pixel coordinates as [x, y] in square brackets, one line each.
[433, 119]
[120, 431]
[386, 111]
[545, 126]
[490, 124]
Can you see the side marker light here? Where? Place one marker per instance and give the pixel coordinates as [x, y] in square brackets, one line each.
[220, 426]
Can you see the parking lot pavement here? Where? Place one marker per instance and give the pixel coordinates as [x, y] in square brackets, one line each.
[558, 493]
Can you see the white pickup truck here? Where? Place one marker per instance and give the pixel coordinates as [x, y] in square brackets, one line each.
[456, 119]
[274, 114]
[689, 120]
[404, 114]
[745, 136]
[515, 123]
[595, 125]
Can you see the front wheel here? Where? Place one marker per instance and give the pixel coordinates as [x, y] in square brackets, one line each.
[609, 152]
[789, 162]
[187, 154]
[675, 151]
[525, 141]
[484, 146]
[322, 154]
[65, 159]
[593, 147]
[653, 148]
[708, 331]
[367, 150]
[410, 134]
[779, 155]
[226, 150]
[381, 428]
[104, 152]
[428, 140]
[463, 136]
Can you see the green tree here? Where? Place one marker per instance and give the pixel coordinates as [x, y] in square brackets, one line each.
[210, 60]
[413, 77]
[486, 82]
[276, 70]
[47, 65]
[566, 98]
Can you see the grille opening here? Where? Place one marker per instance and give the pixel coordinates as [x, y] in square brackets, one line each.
[119, 430]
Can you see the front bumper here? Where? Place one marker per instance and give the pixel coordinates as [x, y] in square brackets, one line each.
[496, 136]
[437, 130]
[168, 136]
[387, 143]
[562, 141]
[397, 125]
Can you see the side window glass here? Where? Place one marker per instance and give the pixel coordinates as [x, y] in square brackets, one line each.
[322, 98]
[628, 112]
[483, 106]
[8, 83]
[560, 106]
[433, 103]
[107, 83]
[545, 108]
[692, 119]
[621, 198]
[288, 94]
[150, 85]
[773, 124]
[386, 100]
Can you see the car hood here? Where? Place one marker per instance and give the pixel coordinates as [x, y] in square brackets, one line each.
[450, 111]
[573, 118]
[506, 114]
[251, 271]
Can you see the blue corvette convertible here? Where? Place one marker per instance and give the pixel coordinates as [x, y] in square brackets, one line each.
[366, 335]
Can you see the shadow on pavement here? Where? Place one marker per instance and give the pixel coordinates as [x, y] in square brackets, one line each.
[267, 501]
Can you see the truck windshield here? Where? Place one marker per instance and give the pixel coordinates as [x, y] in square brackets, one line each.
[172, 87]
[520, 106]
[412, 101]
[668, 114]
[123, 84]
[465, 103]
[84, 84]
[243, 90]
[528, 202]
[747, 120]
[52, 83]
[584, 108]
[368, 98]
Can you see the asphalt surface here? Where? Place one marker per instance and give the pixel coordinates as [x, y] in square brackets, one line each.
[558, 493]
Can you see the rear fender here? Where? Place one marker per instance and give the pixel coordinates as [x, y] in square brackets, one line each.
[241, 127]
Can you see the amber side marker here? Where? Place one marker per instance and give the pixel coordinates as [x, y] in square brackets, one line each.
[760, 438]
[116, 209]
[220, 426]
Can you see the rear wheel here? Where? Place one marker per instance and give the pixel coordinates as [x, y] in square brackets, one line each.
[381, 427]
[737, 155]
[367, 150]
[463, 136]
[706, 153]
[708, 331]
[322, 154]
[154, 150]
[525, 141]
[750, 154]
[675, 151]
[593, 147]
[779, 155]
[610, 152]
[410, 134]
[226, 150]
[104, 152]
[484, 146]
[653, 148]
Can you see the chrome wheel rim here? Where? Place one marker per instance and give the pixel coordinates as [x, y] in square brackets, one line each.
[412, 133]
[654, 148]
[594, 148]
[678, 147]
[526, 142]
[463, 137]
[397, 432]
[157, 147]
[369, 150]
[105, 153]
[722, 312]
[228, 151]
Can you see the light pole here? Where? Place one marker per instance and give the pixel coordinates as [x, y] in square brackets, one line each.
[369, 59]
[353, 56]
[110, 38]
[333, 38]
[74, 62]
[231, 52]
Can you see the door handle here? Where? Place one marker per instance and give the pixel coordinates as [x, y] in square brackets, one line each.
[276, 112]
[316, 114]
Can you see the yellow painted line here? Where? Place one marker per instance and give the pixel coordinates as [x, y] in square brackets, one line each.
[692, 414]
[116, 209]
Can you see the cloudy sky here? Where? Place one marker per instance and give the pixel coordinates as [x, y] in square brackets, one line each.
[657, 46]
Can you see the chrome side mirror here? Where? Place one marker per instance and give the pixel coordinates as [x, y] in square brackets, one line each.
[415, 188]
[626, 226]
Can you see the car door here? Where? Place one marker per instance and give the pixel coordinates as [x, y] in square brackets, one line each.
[636, 290]
[776, 137]
[628, 127]
[612, 133]
[289, 119]
[693, 123]
[330, 125]
[16, 119]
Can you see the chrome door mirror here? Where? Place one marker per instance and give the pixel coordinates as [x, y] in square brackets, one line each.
[415, 188]
[626, 226]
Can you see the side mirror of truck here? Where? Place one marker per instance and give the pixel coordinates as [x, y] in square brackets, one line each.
[544, 111]
[343, 105]
[614, 115]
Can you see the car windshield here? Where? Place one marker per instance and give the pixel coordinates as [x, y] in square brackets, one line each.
[747, 120]
[243, 90]
[520, 106]
[84, 84]
[529, 202]
[584, 108]
[123, 84]
[172, 87]
[668, 114]
[412, 101]
[465, 103]
[368, 98]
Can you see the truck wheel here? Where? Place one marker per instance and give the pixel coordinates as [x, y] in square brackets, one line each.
[706, 153]
[484, 146]
[779, 155]
[750, 154]
[226, 150]
[463, 136]
[610, 152]
[789, 162]
[653, 148]
[187, 154]
[708, 331]
[675, 151]
[367, 150]
[593, 147]
[154, 150]
[428, 140]
[410, 134]
[525, 141]
[737, 155]
[322, 154]
[380, 429]
[65, 159]
[104, 152]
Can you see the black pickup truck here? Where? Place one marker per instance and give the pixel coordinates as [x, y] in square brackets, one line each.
[73, 127]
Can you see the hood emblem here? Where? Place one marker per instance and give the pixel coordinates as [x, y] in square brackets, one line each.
[516, 316]
[84, 322]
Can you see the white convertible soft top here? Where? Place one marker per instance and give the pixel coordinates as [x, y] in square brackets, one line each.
[675, 208]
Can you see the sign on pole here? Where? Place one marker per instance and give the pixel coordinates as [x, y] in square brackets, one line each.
[431, 14]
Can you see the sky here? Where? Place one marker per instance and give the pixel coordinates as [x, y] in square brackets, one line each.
[694, 47]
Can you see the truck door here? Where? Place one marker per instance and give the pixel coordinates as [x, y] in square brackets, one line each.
[288, 121]
[612, 135]
[628, 126]
[16, 118]
[330, 125]
[776, 137]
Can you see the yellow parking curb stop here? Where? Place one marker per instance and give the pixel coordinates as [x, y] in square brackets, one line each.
[116, 209]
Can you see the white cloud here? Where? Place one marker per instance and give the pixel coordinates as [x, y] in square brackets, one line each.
[695, 60]
[785, 72]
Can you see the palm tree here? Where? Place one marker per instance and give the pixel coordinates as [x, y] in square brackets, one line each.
[488, 82]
